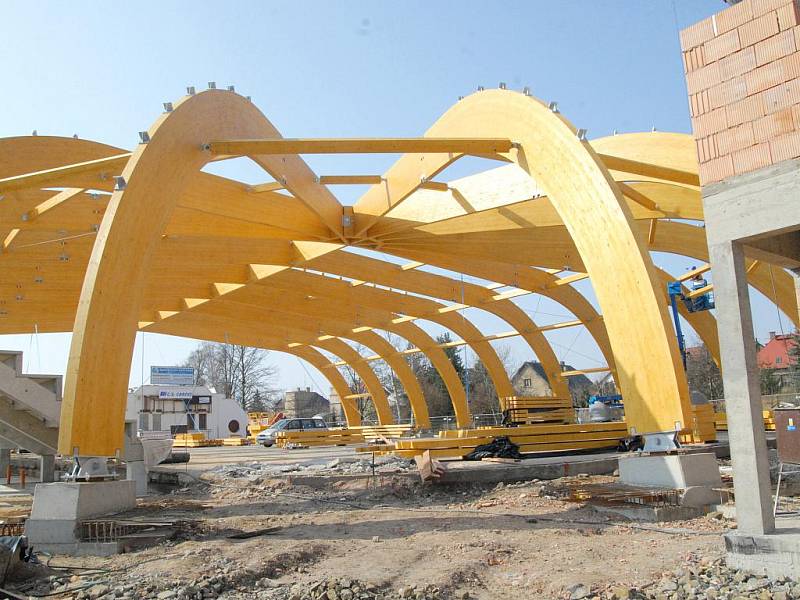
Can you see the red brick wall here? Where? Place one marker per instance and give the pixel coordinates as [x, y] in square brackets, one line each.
[742, 70]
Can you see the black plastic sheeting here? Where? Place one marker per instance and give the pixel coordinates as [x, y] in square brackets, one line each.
[499, 447]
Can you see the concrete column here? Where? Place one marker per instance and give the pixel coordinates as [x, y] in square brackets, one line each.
[136, 471]
[5, 460]
[742, 390]
[47, 468]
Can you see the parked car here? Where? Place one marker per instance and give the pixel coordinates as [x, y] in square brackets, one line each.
[268, 436]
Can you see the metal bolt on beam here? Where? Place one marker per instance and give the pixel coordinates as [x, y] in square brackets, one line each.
[144, 137]
[581, 135]
[119, 183]
[167, 106]
[190, 90]
[502, 85]
[231, 88]
[526, 91]
[553, 105]
[212, 85]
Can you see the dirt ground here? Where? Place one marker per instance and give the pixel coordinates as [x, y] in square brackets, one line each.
[492, 542]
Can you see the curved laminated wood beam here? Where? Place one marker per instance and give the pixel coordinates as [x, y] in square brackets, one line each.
[511, 248]
[367, 375]
[334, 377]
[405, 304]
[106, 321]
[533, 280]
[352, 265]
[222, 331]
[405, 375]
[548, 147]
[282, 310]
[285, 308]
[442, 364]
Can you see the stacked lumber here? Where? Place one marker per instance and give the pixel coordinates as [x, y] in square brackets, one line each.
[236, 441]
[530, 439]
[389, 432]
[721, 421]
[259, 421]
[323, 437]
[702, 426]
[193, 440]
[528, 410]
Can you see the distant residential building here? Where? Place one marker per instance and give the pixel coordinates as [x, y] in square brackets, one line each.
[775, 353]
[530, 380]
[336, 410]
[164, 408]
[305, 403]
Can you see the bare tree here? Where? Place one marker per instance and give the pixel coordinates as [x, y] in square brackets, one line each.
[239, 372]
[702, 373]
[363, 400]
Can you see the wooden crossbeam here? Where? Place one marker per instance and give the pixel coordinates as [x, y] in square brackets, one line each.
[455, 343]
[694, 272]
[567, 280]
[411, 265]
[272, 186]
[40, 178]
[436, 186]
[51, 203]
[617, 163]
[577, 372]
[700, 291]
[511, 294]
[350, 179]
[359, 146]
[9, 238]
[560, 325]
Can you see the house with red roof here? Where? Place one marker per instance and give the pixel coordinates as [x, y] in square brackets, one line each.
[775, 354]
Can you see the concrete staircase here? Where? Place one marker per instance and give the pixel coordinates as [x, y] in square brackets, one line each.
[30, 406]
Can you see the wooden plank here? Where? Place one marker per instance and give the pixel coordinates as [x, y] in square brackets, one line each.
[445, 145]
[349, 179]
[112, 165]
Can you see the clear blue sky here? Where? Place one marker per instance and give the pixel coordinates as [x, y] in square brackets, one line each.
[102, 70]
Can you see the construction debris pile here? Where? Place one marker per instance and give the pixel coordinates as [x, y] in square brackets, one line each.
[385, 465]
[699, 578]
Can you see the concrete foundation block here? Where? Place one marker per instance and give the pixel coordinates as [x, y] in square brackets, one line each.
[82, 500]
[674, 471]
[59, 508]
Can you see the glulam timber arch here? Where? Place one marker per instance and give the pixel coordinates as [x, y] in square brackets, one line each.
[76, 257]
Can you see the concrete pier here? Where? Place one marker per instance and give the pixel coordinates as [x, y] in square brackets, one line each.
[751, 215]
[59, 508]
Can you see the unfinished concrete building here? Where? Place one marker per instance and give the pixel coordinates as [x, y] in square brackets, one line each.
[743, 77]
